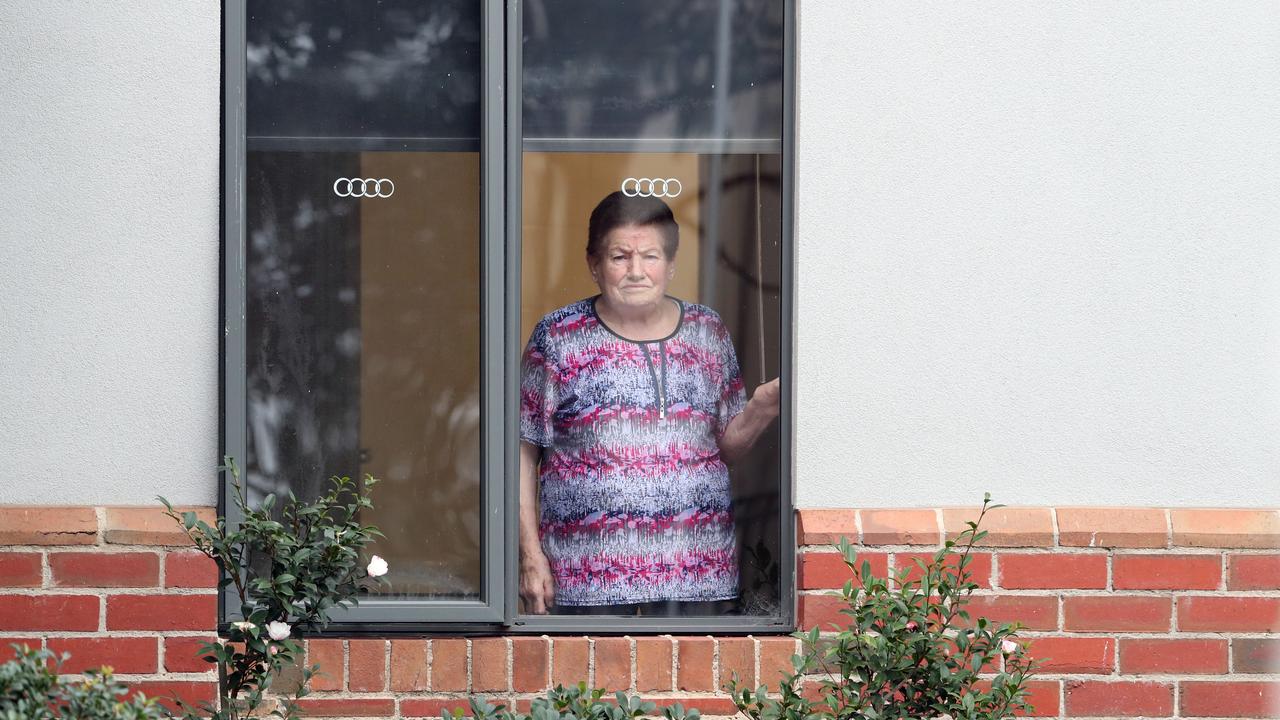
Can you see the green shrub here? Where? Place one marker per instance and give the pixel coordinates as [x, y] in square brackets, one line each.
[907, 651]
[287, 572]
[31, 690]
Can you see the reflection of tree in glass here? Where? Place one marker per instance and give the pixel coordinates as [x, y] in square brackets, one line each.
[302, 335]
[648, 69]
[397, 68]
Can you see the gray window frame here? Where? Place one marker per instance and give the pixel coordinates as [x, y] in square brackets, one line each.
[502, 147]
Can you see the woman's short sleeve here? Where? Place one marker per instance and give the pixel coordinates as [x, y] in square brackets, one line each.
[539, 382]
[733, 394]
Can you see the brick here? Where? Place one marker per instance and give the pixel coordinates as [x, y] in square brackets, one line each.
[1148, 656]
[182, 654]
[20, 569]
[122, 654]
[979, 565]
[289, 678]
[408, 665]
[1255, 655]
[192, 692]
[190, 570]
[1117, 613]
[48, 612]
[1095, 698]
[1112, 527]
[104, 570]
[489, 665]
[434, 707]
[1228, 614]
[529, 657]
[775, 659]
[900, 527]
[31, 525]
[826, 570]
[1083, 655]
[347, 707]
[1005, 527]
[148, 525]
[1166, 572]
[1226, 528]
[1052, 571]
[818, 526]
[1213, 698]
[738, 660]
[1044, 698]
[822, 611]
[366, 665]
[613, 663]
[1253, 572]
[162, 612]
[448, 664]
[694, 658]
[653, 664]
[1035, 612]
[570, 658]
[7, 650]
[330, 656]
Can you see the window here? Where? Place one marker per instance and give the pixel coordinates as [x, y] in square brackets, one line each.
[407, 188]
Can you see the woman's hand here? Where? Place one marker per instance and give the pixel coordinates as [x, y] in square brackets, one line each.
[743, 431]
[767, 399]
[537, 589]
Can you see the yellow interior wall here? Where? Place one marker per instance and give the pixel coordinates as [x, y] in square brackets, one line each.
[420, 364]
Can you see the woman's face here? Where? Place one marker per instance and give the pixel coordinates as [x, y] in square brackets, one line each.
[632, 268]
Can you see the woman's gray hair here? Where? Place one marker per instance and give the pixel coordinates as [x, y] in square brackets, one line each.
[619, 210]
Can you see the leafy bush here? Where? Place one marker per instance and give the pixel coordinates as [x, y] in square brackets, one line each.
[31, 690]
[286, 572]
[909, 651]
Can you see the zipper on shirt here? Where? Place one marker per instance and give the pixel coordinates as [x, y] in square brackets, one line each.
[659, 383]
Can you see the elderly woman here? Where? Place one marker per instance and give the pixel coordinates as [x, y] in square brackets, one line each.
[631, 404]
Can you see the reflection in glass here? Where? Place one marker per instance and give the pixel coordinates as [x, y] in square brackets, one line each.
[653, 69]
[364, 348]
[344, 68]
[363, 269]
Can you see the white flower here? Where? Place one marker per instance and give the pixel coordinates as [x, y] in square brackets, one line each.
[1008, 646]
[377, 567]
[243, 626]
[278, 630]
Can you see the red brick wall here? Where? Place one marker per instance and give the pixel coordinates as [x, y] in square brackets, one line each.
[1138, 612]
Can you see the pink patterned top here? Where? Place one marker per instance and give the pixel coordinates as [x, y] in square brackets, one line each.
[635, 501]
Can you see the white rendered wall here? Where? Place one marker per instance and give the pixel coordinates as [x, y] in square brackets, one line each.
[1039, 252]
[108, 250]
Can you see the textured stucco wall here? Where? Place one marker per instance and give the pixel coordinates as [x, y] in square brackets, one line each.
[1038, 252]
[109, 247]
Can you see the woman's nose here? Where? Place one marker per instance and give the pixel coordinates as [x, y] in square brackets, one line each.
[634, 267]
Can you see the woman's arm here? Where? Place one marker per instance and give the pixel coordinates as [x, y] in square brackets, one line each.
[745, 428]
[536, 586]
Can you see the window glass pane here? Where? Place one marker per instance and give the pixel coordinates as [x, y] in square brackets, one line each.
[393, 68]
[641, 495]
[363, 276]
[653, 69]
